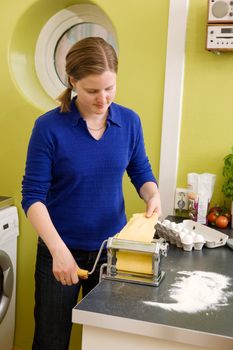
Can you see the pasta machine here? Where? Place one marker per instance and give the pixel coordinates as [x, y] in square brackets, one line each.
[134, 261]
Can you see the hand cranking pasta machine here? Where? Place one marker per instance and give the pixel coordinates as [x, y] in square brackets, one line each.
[148, 255]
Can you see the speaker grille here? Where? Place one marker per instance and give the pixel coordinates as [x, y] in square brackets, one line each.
[220, 9]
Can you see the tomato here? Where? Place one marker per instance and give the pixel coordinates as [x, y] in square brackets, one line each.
[221, 221]
[212, 216]
[217, 212]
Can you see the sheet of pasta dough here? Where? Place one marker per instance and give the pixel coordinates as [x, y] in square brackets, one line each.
[142, 229]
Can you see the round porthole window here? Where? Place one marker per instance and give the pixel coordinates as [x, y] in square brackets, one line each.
[70, 37]
[59, 34]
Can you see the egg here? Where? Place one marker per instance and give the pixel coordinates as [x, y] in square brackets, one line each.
[199, 238]
[193, 234]
[187, 239]
[182, 234]
[180, 226]
[166, 222]
[186, 230]
[172, 225]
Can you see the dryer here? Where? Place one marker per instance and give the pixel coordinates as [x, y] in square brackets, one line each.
[8, 254]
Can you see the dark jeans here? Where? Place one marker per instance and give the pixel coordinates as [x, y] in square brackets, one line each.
[54, 302]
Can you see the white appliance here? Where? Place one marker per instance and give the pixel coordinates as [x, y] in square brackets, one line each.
[8, 253]
[220, 11]
[219, 37]
[219, 29]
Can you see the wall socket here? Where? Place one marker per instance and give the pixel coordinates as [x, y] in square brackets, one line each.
[181, 199]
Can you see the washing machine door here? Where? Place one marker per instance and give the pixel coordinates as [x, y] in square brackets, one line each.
[6, 283]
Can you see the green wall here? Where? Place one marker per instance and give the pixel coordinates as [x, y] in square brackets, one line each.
[142, 29]
[207, 118]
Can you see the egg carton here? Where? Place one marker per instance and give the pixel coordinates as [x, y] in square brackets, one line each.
[190, 235]
[213, 238]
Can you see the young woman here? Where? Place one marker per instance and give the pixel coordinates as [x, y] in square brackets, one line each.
[72, 188]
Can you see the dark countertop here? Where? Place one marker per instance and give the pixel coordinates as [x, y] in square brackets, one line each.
[125, 300]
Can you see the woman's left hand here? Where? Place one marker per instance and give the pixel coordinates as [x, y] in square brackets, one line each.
[150, 193]
[154, 205]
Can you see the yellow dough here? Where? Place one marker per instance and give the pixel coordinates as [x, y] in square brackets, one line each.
[139, 228]
[142, 229]
[134, 262]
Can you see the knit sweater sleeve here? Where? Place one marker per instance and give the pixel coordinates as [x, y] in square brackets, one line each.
[139, 168]
[38, 173]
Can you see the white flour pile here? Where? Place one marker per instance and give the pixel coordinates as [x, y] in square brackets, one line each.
[197, 291]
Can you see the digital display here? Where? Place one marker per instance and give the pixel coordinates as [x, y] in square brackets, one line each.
[226, 30]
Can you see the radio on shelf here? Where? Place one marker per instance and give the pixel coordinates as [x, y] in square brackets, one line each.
[219, 30]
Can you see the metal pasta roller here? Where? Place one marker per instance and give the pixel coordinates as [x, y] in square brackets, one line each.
[133, 261]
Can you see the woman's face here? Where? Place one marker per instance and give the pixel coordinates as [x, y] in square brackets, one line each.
[95, 93]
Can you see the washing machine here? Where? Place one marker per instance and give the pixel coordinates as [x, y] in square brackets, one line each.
[8, 253]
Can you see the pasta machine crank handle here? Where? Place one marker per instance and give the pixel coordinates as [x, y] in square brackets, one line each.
[83, 274]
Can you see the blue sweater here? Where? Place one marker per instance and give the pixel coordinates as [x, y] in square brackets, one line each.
[78, 178]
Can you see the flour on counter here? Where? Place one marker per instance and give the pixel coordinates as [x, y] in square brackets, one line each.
[197, 291]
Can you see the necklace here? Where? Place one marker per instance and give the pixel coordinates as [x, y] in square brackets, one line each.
[92, 129]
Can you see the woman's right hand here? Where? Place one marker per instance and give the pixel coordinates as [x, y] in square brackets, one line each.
[64, 266]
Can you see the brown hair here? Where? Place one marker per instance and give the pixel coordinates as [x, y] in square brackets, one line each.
[92, 55]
